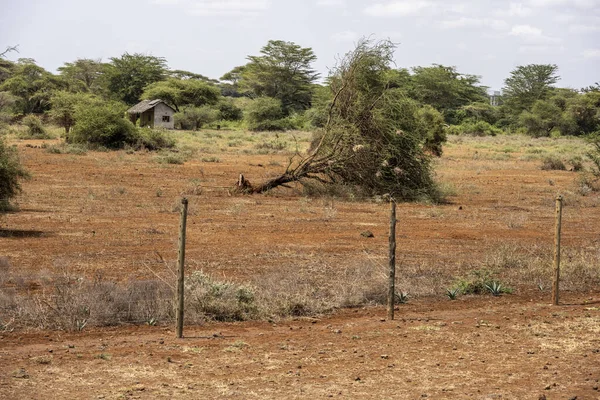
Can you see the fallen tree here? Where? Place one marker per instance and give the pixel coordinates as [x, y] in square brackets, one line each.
[362, 143]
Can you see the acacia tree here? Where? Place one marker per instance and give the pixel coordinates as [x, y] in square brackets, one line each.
[83, 75]
[64, 107]
[32, 86]
[128, 75]
[282, 71]
[445, 89]
[527, 84]
[360, 144]
[178, 92]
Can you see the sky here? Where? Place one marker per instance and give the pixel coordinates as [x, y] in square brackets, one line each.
[488, 38]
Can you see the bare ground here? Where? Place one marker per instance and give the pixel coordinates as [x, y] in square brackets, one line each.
[110, 213]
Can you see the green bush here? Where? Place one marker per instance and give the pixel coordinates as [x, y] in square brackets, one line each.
[35, 128]
[229, 111]
[103, 124]
[11, 171]
[479, 282]
[154, 139]
[192, 118]
[478, 128]
[266, 114]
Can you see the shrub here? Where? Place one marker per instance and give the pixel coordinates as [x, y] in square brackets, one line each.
[229, 111]
[103, 124]
[266, 114]
[35, 128]
[553, 163]
[479, 282]
[11, 171]
[154, 139]
[478, 128]
[219, 300]
[192, 118]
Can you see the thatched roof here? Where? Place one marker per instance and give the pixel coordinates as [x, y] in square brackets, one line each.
[146, 105]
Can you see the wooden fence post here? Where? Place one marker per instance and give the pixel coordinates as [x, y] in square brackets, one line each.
[180, 266]
[559, 206]
[392, 272]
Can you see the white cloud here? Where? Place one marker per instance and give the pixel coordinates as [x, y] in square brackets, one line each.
[584, 4]
[526, 31]
[468, 22]
[591, 53]
[578, 28]
[401, 8]
[226, 8]
[533, 36]
[514, 10]
[345, 36]
[331, 3]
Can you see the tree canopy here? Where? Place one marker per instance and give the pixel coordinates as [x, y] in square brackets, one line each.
[283, 71]
[529, 83]
[178, 92]
[128, 75]
[83, 75]
[445, 89]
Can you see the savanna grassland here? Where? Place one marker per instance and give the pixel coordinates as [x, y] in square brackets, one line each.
[285, 292]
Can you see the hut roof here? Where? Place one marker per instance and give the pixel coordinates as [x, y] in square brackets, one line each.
[146, 105]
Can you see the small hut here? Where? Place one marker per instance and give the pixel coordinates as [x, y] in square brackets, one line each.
[153, 114]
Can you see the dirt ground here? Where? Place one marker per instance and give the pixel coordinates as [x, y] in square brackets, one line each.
[111, 213]
[515, 347]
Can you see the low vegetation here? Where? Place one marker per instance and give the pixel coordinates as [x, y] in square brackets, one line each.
[12, 173]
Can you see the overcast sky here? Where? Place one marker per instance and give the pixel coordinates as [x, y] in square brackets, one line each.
[487, 38]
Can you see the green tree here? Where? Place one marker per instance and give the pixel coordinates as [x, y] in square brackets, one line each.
[6, 69]
[230, 82]
[283, 71]
[229, 111]
[193, 118]
[178, 92]
[265, 114]
[585, 111]
[7, 102]
[480, 111]
[528, 84]
[185, 75]
[542, 119]
[128, 75]
[445, 89]
[83, 75]
[64, 106]
[32, 86]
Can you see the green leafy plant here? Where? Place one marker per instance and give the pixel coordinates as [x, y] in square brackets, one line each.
[477, 282]
[495, 288]
[452, 293]
[401, 297]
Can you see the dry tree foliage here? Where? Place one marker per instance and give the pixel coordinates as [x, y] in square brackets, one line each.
[361, 144]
